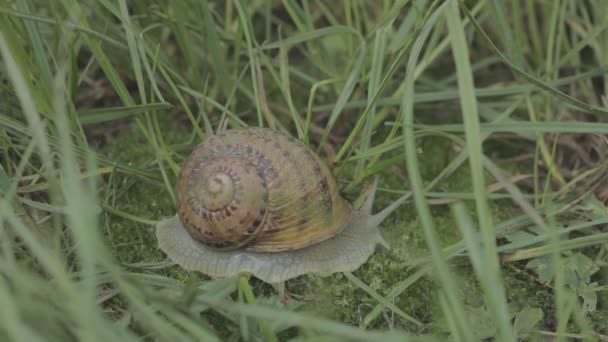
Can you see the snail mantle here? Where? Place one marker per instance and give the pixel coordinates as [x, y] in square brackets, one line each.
[254, 200]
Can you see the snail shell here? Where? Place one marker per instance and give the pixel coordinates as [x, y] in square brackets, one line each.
[254, 200]
[260, 190]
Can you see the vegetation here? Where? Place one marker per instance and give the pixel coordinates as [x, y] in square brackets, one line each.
[493, 115]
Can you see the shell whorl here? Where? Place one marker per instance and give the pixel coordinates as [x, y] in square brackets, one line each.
[222, 201]
[220, 188]
[258, 189]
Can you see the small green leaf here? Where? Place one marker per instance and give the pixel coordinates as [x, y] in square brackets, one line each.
[482, 321]
[519, 236]
[589, 296]
[479, 318]
[527, 319]
[542, 267]
[594, 206]
[578, 270]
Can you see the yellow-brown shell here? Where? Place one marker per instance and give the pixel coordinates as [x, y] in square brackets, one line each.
[258, 189]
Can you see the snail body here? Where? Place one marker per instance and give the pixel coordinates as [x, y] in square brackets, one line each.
[257, 201]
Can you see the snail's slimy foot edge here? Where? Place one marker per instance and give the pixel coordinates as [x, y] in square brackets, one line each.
[344, 252]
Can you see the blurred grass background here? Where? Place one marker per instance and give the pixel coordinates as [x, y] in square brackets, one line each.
[492, 114]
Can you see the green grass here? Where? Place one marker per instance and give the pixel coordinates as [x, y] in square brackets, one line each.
[491, 114]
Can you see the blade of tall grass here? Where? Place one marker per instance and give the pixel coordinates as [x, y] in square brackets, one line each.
[576, 243]
[245, 24]
[552, 36]
[478, 256]
[520, 127]
[15, 328]
[37, 44]
[101, 115]
[250, 298]
[442, 271]
[488, 272]
[447, 95]
[15, 126]
[285, 86]
[312, 35]
[9, 203]
[375, 76]
[48, 258]
[81, 216]
[67, 25]
[347, 90]
[75, 11]
[380, 299]
[518, 245]
[540, 84]
[503, 28]
[12, 40]
[307, 321]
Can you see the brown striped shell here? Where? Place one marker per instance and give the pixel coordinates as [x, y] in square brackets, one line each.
[258, 189]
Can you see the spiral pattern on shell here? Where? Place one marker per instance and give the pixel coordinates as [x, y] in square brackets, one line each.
[259, 189]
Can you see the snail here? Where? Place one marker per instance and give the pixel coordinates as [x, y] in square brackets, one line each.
[257, 201]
